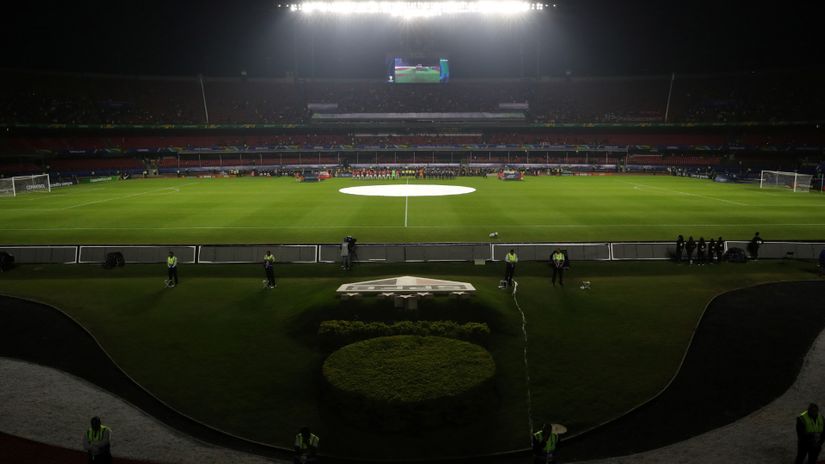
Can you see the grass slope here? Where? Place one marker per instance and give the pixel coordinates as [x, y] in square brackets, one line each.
[280, 210]
[226, 351]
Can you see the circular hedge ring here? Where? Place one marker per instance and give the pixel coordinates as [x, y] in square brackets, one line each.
[407, 380]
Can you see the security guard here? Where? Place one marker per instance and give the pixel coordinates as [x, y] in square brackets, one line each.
[306, 446]
[809, 427]
[510, 260]
[172, 266]
[545, 444]
[96, 442]
[558, 266]
[269, 264]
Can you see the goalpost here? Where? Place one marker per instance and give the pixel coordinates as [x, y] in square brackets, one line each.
[13, 186]
[786, 180]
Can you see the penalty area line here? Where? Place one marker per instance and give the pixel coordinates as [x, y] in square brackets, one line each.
[643, 186]
[175, 189]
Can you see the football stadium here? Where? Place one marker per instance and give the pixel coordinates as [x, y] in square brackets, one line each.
[409, 232]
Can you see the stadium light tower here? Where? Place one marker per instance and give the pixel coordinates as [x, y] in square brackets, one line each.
[419, 9]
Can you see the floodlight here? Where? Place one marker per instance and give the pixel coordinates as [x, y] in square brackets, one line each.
[421, 9]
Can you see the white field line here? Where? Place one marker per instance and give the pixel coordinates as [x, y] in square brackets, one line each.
[385, 226]
[687, 193]
[526, 364]
[175, 189]
[406, 205]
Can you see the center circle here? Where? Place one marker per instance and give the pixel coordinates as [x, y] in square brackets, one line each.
[407, 190]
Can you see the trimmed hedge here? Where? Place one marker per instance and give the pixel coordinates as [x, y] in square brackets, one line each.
[404, 381]
[335, 334]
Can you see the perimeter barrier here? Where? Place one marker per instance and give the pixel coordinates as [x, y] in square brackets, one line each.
[383, 253]
[777, 250]
[42, 254]
[137, 253]
[216, 254]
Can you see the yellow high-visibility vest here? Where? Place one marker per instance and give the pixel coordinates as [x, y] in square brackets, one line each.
[552, 440]
[811, 425]
[95, 437]
[302, 445]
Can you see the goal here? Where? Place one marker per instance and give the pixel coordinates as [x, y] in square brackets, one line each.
[17, 185]
[786, 180]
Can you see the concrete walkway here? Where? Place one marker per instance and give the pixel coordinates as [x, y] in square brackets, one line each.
[50, 406]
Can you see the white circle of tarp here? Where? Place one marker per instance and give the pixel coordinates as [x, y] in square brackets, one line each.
[407, 190]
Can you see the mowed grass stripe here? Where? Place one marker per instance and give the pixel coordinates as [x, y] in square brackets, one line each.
[539, 209]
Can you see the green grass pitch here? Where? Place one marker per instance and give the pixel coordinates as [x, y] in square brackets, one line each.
[281, 210]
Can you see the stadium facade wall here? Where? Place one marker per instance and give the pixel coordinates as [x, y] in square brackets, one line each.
[382, 253]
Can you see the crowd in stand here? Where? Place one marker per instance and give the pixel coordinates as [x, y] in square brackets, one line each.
[86, 99]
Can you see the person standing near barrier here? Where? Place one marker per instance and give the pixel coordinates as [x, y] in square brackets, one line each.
[269, 267]
[306, 446]
[822, 262]
[346, 255]
[557, 260]
[753, 246]
[711, 250]
[545, 445]
[690, 247]
[172, 270]
[680, 248]
[701, 248]
[97, 444]
[809, 428]
[720, 249]
[510, 261]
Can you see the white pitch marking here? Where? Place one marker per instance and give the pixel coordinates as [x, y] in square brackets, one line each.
[406, 204]
[126, 196]
[636, 186]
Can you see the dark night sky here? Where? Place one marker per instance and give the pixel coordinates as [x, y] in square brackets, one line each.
[588, 37]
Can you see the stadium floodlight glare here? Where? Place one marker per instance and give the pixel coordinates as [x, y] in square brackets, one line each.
[423, 9]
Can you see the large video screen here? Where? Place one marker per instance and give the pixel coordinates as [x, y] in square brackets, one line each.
[419, 70]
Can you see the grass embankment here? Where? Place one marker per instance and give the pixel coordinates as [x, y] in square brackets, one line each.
[246, 359]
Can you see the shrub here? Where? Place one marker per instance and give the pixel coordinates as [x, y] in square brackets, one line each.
[335, 334]
[407, 381]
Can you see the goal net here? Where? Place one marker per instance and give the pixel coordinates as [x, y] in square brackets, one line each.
[786, 180]
[18, 185]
